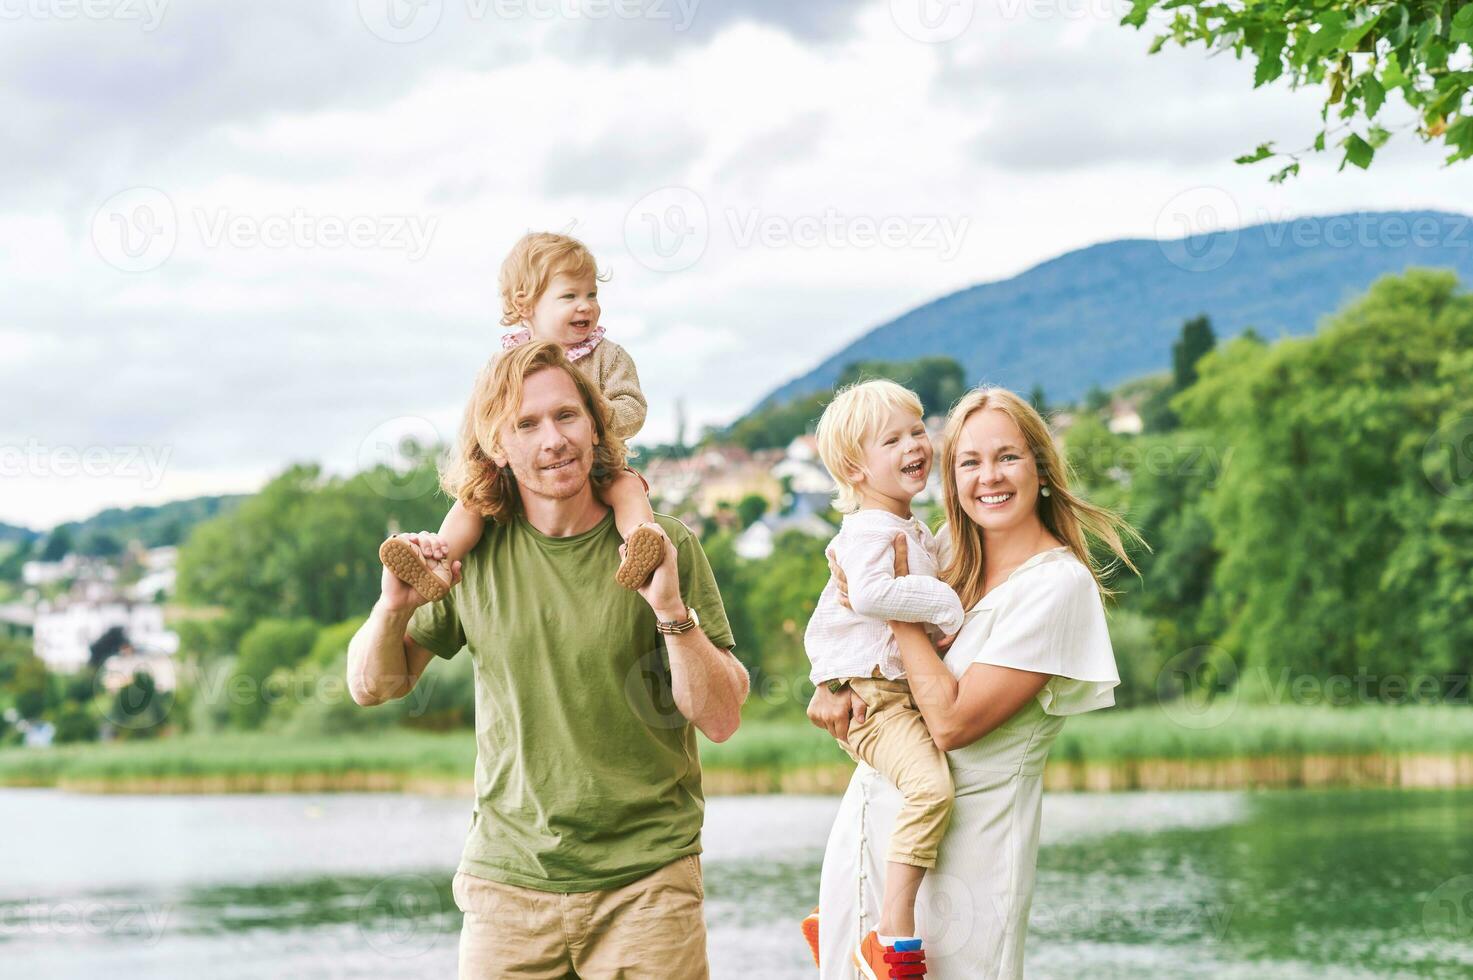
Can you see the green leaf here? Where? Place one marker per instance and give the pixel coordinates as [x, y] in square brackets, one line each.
[1391, 73]
[1462, 26]
[1292, 170]
[1319, 141]
[1377, 137]
[1398, 20]
[1352, 37]
[1270, 62]
[1157, 44]
[1322, 41]
[1136, 17]
[1357, 151]
[1373, 93]
[1460, 134]
[1264, 151]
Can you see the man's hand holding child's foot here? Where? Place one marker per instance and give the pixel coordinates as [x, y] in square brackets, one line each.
[640, 556]
[421, 562]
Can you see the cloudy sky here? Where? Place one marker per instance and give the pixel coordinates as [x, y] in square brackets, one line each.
[234, 236]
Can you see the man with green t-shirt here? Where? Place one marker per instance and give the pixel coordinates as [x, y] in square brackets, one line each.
[582, 857]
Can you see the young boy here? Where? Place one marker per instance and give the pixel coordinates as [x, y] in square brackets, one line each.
[872, 439]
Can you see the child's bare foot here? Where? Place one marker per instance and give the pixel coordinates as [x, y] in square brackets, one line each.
[643, 553]
[429, 576]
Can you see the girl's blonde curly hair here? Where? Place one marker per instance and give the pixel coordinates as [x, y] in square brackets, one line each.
[471, 476]
[530, 265]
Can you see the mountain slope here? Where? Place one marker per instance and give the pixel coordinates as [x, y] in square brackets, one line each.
[1104, 314]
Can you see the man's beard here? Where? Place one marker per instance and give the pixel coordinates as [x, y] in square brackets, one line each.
[551, 485]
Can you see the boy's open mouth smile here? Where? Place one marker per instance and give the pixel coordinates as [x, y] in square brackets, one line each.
[913, 469]
[579, 324]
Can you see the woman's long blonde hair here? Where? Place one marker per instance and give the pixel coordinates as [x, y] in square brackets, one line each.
[470, 474]
[1067, 516]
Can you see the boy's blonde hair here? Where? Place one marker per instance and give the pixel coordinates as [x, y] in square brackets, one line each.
[530, 266]
[855, 414]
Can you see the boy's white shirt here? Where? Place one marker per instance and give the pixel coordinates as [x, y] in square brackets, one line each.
[852, 642]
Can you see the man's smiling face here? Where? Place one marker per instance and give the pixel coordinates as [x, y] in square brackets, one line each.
[549, 442]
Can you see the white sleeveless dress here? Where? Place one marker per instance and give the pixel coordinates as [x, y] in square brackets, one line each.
[972, 910]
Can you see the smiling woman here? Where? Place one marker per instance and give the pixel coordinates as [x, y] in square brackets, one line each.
[1032, 649]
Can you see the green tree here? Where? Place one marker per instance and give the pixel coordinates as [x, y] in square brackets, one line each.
[306, 545]
[784, 590]
[270, 644]
[1342, 523]
[751, 508]
[30, 688]
[1361, 52]
[100, 544]
[1192, 344]
[58, 545]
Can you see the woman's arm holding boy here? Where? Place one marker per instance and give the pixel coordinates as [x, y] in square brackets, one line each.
[957, 713]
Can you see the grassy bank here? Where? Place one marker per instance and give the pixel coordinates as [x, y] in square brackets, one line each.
[1140, 749]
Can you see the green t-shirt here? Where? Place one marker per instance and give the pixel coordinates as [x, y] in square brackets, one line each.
[587, 775]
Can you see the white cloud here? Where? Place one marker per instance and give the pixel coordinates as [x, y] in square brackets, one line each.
[814, 126]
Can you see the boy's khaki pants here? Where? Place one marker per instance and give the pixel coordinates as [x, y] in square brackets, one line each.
[894, 740]
[653, 928]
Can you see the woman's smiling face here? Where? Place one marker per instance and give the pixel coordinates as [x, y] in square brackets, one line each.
[996, 473]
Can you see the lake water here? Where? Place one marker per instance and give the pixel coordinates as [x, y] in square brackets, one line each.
[1261, 885]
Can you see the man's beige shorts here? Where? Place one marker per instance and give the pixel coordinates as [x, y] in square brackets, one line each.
[653, 928]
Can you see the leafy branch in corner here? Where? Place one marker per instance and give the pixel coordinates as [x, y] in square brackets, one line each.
[1363, 51]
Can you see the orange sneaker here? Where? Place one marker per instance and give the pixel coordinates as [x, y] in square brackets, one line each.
[876, 962]
[810, 933]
